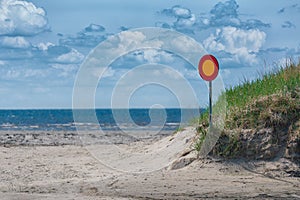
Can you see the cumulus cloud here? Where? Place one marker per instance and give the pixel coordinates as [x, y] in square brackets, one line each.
[82, 40]
[177, 11]
[65, 69]
[227, 9]
[71, 57]
[90, 36]
[150, 56]
[157, 56]
[44, 46]
[109, 73]
[94, 28]
[128, 41]
[254, 23]
[21, 18]
[24, 60]
[14, 42]
[185, 19]
[221, 15]
[57, 50]
[37, 71]
[185, 24]
[237, 44]
[49, 52]
[226, 14]
[41, 54]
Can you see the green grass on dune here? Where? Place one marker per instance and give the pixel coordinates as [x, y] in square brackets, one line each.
[249, 104]
[271, 101]
[284, 80]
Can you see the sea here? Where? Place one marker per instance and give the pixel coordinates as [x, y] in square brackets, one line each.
[63, 119]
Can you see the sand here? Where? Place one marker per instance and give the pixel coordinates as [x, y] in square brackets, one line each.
[149, 169]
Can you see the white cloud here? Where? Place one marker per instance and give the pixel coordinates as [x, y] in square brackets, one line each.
[135, 39]
[71, 57]
[17, 49]
[27, 73]
[131, 38]
[19, 18]
[177, 11]
[233, 39]
[226, 14]
[190, 74]
[185, 22]
[221, 15]
[185, 19]
[166, 72]
[144, 56]
[14, 74]
[138, 58]
[181, 12]
[59, 53]
[94, 28]
[109, 72]
[126, 42]
[15, 42]
[241, 44]
[65, 69]
[44, 46]
[157, 56]
[183, 44]
[90, 36]
[151, 56]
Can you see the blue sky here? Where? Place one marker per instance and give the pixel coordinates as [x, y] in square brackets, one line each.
[44, 42]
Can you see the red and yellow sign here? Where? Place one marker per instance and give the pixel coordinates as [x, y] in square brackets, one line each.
[208, 67]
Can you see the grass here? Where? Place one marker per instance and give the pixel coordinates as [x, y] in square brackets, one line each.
[179, 129]
[201, 137]
[248, 104]
[271, 101]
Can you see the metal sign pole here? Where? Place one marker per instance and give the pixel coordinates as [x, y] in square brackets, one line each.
[210, 104]
[208, 68]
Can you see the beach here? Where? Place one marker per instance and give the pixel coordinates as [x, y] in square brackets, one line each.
[154, 170]
[103, 100]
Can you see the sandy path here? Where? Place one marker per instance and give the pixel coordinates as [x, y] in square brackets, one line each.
[70, 172]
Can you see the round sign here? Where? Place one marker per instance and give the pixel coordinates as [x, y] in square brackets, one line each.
[208, 67]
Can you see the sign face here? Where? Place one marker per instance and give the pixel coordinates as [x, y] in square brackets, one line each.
[208, 67]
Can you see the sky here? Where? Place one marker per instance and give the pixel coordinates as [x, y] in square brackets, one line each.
[45, 43]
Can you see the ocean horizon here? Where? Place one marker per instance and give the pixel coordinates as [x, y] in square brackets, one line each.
[63, 119]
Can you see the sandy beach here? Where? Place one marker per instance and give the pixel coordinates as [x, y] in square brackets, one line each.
[97, 171]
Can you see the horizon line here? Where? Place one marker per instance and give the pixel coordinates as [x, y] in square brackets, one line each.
[98, 108]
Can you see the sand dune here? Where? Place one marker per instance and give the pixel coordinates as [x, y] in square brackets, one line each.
[140, 170]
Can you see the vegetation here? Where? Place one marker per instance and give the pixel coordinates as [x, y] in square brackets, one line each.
[179, 129]
[272, 101]
[202, 134]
